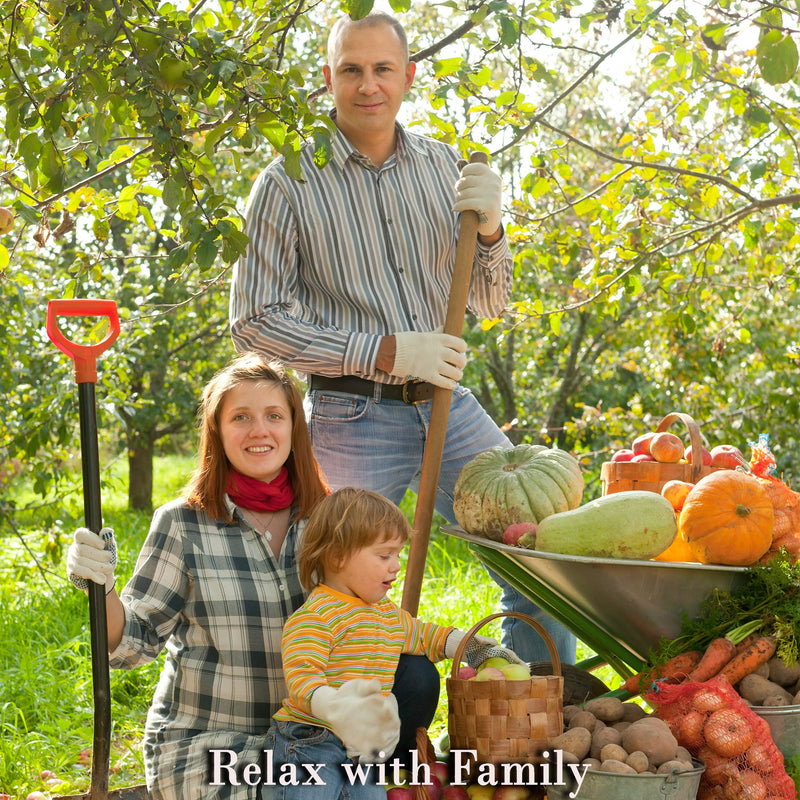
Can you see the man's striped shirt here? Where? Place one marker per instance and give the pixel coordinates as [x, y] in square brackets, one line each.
[353, 253]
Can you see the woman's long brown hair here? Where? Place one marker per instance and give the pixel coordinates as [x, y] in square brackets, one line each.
[206, 487]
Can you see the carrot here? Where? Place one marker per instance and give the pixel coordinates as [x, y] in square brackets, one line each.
[718, 653]
[749, 660]
[673, 671]
[721, 650]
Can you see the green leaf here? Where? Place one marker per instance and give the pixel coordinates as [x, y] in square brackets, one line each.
[3, 257]
[172, 194]
[777, 57]
[205, 254]
[356, 8]
[400, 6]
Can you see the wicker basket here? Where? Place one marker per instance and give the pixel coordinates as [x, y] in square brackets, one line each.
[505, 721]
[650, 476]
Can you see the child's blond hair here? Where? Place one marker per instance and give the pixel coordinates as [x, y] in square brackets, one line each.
[342, 523]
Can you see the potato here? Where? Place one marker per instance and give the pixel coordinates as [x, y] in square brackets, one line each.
[592, 763]
[780, 672]
[569, 712]
[796, 700]
[762, 670]
[583, 719]
[613, 752]
[569, 758]
[619, 767]
[668, 766]
[638, 760]
[607, 709]
[632, 712]
[621, 725]
[754, 689]
[653, 737]
[575, 740]
[777, 700]
[683, 754]
[601, 737]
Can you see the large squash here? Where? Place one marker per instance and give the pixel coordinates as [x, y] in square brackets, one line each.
[727, 519]
[525, 483]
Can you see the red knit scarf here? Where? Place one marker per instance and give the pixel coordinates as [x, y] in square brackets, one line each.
[259, 495]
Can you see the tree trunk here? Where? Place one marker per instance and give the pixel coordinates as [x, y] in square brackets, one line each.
[141, 446]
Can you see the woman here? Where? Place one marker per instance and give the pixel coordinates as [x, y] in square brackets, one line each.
[214, 583]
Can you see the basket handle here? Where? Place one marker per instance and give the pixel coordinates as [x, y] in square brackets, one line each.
[537, 626]
[694, 438]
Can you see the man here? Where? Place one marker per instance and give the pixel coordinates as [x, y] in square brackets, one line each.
[346, 279]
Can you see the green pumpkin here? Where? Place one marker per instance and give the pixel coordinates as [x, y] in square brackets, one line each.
[526, 483]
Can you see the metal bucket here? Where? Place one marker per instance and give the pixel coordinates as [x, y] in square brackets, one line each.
[608, 786]
[784, 724]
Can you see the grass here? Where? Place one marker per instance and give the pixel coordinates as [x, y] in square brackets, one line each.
[46, 706]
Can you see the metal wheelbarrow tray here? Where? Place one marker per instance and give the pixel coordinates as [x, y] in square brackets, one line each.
[620, 608]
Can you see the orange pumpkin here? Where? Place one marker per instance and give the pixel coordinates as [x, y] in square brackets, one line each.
[679, 550]
[727, 519]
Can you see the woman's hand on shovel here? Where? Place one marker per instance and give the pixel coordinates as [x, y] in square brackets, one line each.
[92, 557]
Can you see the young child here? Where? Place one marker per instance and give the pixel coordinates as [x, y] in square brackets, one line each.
[340, 649]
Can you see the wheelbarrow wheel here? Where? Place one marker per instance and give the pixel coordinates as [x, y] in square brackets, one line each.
[579, 685]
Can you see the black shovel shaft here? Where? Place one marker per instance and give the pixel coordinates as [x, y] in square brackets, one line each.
[98, 632]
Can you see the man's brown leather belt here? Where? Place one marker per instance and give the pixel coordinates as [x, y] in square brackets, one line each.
[410, 392]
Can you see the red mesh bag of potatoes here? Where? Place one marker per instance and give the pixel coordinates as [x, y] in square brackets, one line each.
[717, 727]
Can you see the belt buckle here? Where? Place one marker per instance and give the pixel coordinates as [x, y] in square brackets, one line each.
[406, 397]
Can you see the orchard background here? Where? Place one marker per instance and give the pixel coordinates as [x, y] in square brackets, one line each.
[650, 155]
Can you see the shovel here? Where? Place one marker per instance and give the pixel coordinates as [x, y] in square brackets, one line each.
[440, 412]
[84, 357]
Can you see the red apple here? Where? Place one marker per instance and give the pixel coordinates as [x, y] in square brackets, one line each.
[511, 793]
[666, 447]
[642, 457]
[625, 454]
[512, 533]
[466, 672]
[400, 793]
[441, 771]
[676, 492]
[728, 456]
[641, 444]
[434, 788]
[687, 454]
[454, 792]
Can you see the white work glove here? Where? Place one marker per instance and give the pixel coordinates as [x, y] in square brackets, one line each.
[480, 189]
[431, 356]
[478, 649]
[364, 719]
[92, 557]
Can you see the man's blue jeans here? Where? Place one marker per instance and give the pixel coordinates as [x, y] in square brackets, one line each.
[379, 444]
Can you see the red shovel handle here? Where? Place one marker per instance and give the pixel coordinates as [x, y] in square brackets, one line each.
[84, 356]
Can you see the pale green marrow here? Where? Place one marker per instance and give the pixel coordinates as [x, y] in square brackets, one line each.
[633, 524]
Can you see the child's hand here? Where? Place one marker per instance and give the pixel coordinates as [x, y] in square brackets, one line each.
[478, 649]
[364, 719]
